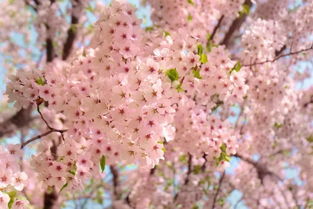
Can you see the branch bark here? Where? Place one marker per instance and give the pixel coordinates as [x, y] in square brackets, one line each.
[218, 190]
[279, 56]
[115, 181]
[19, 120]
[216, 27]
[189, 170]
[72, 31]
[261, 169]
[236, 24]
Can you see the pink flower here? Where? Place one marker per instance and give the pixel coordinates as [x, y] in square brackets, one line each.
[4, 200]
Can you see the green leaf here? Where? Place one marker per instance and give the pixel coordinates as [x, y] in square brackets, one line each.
[189, 17]
[201, 53]
[221, 201]
[196, 73]
[90, 28]
[102, 163]
[310, 204]
[223, 155]
[190, 2]
[150, 28]
[89, 8]
[195, 207]
[74, 27]
[40, 81]
[73, 170]
[208, 36]
[12, 195]
[179, 87]
[183, 158]
[236, 67]
[99, 196]
[203, 58]
[200, 49]
[166, 33]
[197, 169]
[245, 10]
[210, 44]
[310, 138]
[84, 53]
[278, 125]
[223, 147]
[172, 74]
[64, 186]
[160, 142]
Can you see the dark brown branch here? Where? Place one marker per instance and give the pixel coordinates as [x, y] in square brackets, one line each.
[72, 31]
[35, 138]
[238, 201]
[236, 24]
[46, 122]
[49, 41]
[31, 6]
[278, 52]
[203, 167]
[261, 169]
[189, 169]
[50, 50]
[19, 120]
[51, 130]
[50, 199]
[115, 180]
[218, 190]
[279, 56]
[309, 102]
[216, 27]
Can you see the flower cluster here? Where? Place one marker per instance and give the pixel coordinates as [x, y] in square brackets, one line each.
[12, 178]
[126, 95]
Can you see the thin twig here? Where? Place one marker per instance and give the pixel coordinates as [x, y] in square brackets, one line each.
[35, 138]
[236, 24]
[218, 189]
[51, 130]
[216, 27]
[203, 167]
[189, 169]
[47, 124]
[237, 203]
[279, 56]
[261, 169]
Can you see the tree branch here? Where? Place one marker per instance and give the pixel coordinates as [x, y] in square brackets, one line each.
[35, 138]
[115, 177]
[72, 31]
[279, 56]
[19, 120]
[189, 169]
[309, 102]
[261, 169]
[236, 24]
[218, 190]
[216, 27]
[51, 130]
